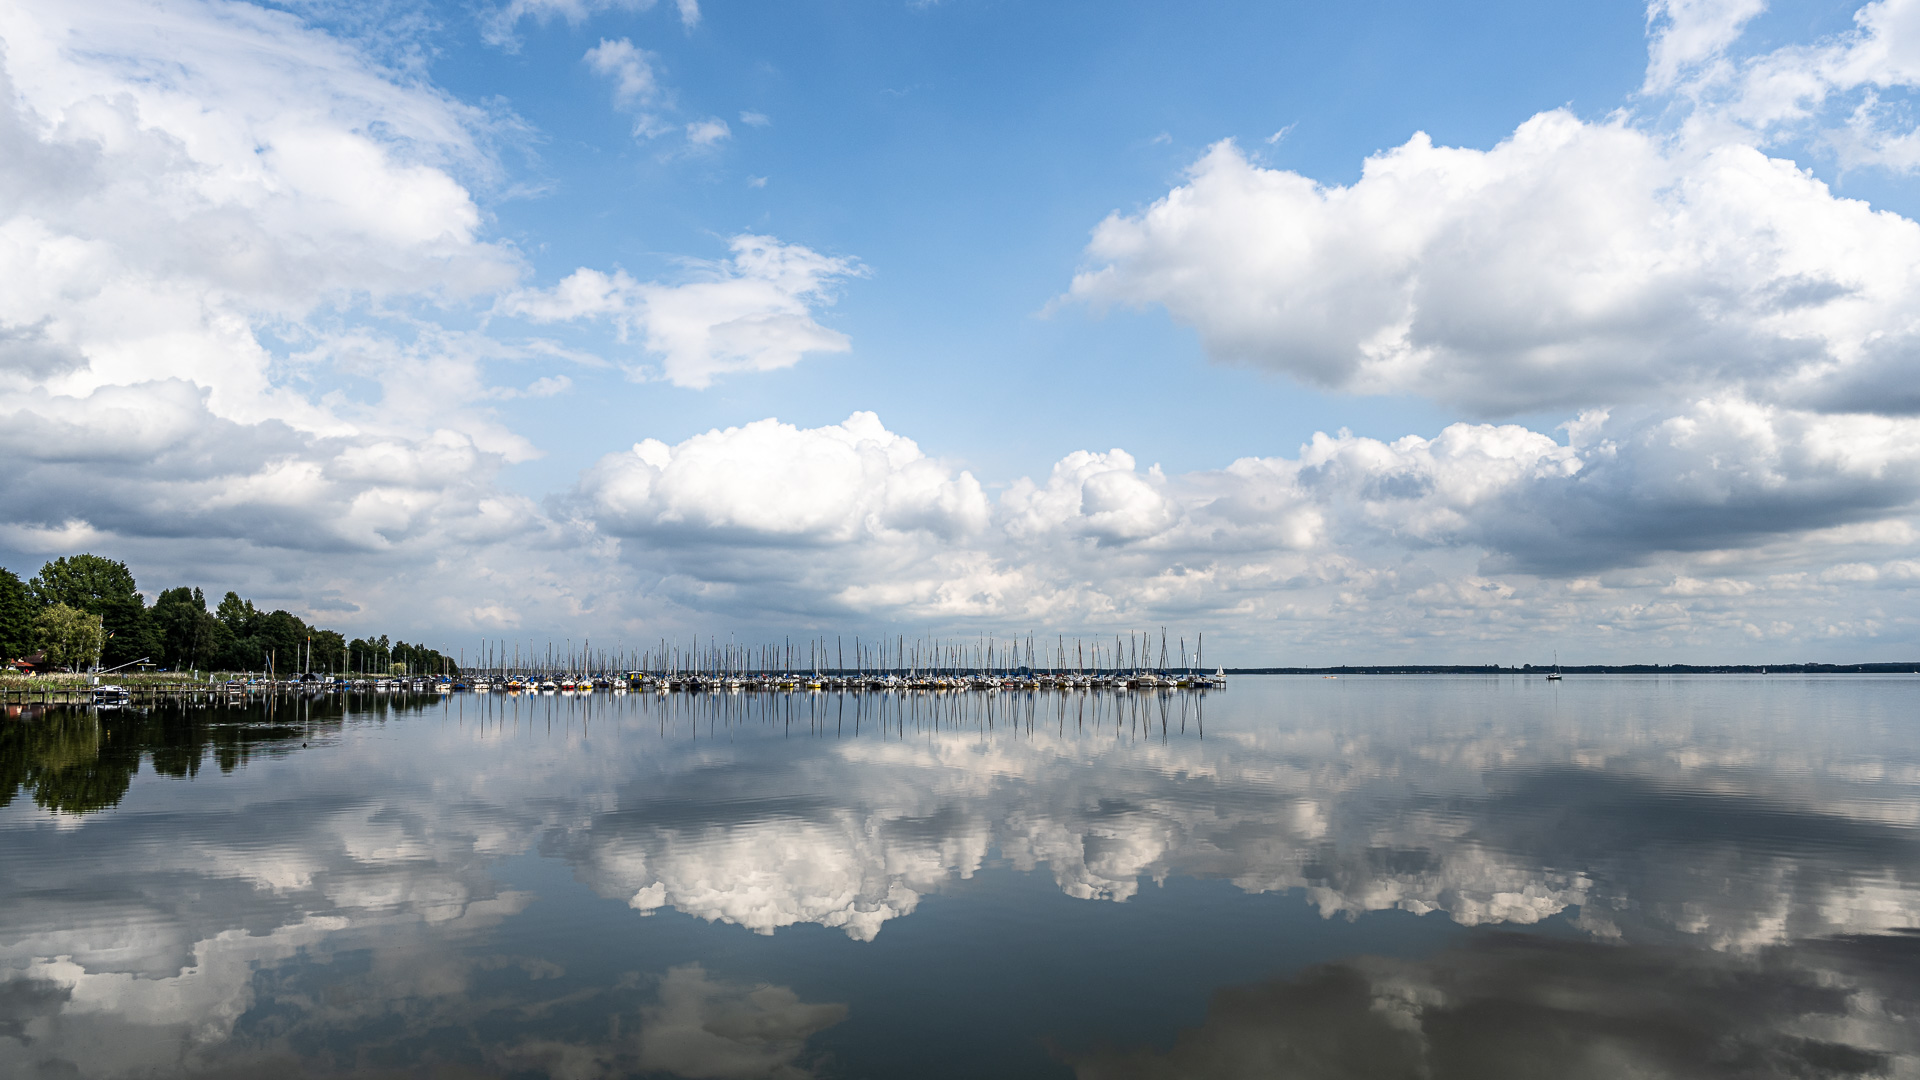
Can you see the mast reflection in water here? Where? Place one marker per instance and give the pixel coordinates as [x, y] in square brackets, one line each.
[1436, 877]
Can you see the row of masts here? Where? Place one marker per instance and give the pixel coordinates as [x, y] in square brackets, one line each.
[1092, 661]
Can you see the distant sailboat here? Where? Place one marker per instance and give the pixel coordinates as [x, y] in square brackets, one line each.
[1554, 675]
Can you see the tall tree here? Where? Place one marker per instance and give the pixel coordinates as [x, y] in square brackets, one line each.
[105, 588]
[328, 651]
[283, 636]
[16, 616]
[184, 627]
[236, 635]
[71, 637]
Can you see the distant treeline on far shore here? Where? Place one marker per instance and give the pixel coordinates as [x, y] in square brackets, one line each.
[83, 609]
[1903, 668]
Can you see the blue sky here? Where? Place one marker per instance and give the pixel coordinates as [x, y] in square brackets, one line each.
[1433, 331]
[963, 150]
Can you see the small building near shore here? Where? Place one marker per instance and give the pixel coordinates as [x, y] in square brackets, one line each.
[34, 663]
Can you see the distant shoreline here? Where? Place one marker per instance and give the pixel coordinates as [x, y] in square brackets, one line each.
[1905, 668]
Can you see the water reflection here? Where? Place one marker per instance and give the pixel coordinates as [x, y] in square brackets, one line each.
[79, 760]
[1512, 1006]
[359, 888]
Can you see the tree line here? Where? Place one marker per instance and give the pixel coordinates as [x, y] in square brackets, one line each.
[86, 609]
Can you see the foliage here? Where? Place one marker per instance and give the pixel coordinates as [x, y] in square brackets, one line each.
[178, 631]
[104, 588]
[397, 658]
[17, 610]
[185, 628]
[71, 637]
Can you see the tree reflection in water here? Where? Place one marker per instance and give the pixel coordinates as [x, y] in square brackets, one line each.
[78, 760]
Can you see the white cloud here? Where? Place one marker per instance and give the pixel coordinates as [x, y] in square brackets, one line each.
[203, 241]
[1574, 265]
[631, 69]
[767, 479]
[706, 134]
[164, 213]
[1101, 496]
[499, 26]
[187, 183]
[755, 119]
[751, 312]
[229, 246]
[1686, 34]
[774, 521]
[1483, 531]
[1844, 98]
[1739, 344]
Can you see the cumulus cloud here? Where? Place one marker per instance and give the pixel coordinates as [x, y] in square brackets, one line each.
[1575, 265]
[202, 252]
[753, 311]
[1483, 529]
[158, 211]
[1734, 342]
[228, 276]
[1578, 263]
[166, 214]
[785, 516]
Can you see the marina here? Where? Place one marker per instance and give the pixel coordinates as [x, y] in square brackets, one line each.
[899, 666]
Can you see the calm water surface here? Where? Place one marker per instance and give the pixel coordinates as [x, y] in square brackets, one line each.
[1386, 877]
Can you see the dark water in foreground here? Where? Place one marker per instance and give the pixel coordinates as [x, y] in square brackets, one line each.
[1387, 877]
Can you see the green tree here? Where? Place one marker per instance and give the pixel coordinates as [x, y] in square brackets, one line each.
[420, 660]
[328, 650]
[371, 654]
[239, 616]
[72, 637]
[104, 588]
[236, 635]
[285, 637]
[184, 627]
[17, 610]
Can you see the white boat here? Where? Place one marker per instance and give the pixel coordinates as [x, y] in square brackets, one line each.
[112, 696]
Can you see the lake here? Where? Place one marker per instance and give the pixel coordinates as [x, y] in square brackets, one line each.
[1695, 876]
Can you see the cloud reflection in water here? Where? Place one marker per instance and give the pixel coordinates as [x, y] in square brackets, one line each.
[1726, 833]
[1509, 1007]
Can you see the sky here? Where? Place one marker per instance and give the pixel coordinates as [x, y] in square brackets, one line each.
[1449, 333]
